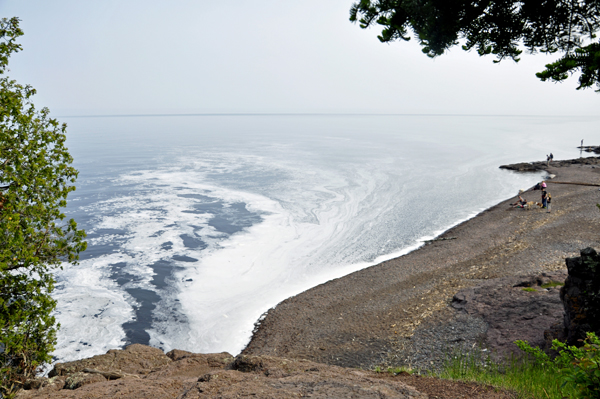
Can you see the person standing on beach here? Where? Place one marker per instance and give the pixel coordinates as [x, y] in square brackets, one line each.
[547, 159]
[551, 157]
[544, 198]
[549, 201]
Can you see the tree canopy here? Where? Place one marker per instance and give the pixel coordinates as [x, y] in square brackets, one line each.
[503, 28]
[35, 178]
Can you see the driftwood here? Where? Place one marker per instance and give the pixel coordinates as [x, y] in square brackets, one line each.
[441, 239]
[575, 183]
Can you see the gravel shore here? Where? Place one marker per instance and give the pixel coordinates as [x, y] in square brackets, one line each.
[400, 311]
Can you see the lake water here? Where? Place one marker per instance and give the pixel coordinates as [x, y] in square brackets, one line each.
[197, 225]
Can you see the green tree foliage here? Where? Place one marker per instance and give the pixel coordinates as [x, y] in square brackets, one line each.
[35, 178]
[499, 27]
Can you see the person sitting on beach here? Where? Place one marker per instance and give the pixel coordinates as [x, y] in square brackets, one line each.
[521, 202]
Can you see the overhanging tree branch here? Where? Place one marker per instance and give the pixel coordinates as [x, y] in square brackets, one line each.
[498, 27]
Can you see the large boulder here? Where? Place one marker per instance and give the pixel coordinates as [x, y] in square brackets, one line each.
[136, 359]
[581, 296]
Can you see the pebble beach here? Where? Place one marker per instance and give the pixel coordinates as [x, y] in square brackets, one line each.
[399, 312]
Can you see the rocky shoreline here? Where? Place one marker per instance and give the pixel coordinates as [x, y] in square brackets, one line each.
[540, 166]
[400, 313]
[494, 282]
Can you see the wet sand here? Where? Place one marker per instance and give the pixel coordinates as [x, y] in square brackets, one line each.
[366, 318]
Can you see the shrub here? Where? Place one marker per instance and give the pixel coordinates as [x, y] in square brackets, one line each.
[581, 366]
[578, 367]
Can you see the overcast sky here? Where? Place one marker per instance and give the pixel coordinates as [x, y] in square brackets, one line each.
[262, 56]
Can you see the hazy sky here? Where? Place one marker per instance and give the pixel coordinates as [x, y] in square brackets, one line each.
[134, 56]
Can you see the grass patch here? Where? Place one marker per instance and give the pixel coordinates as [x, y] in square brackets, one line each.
[552, 284]
[523, 375]
[529, 289]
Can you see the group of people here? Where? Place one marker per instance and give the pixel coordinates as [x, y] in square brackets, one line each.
[546, 198]
[549, 158]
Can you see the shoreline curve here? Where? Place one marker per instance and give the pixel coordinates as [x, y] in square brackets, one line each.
[366, 318]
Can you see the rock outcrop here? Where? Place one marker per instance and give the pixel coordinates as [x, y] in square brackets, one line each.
[591, 148]
[541, 165]
[135, 360]
[514, 308]
[143, 372]
[581, 296]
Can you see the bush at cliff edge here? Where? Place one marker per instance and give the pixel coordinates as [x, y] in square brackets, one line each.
[578, 367]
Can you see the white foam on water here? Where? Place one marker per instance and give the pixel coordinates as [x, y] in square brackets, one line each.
[322, 216]
[319, 224]
[91, 309]
[232, 284]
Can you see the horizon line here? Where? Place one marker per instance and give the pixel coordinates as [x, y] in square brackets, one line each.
[298, 114]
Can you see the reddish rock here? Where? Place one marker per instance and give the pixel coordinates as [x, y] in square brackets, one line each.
[191, 365]
[79, 379]
[145, 372]
[135, 359]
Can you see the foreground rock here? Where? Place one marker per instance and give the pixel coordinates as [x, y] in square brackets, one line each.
[143, 372]
[581, 296]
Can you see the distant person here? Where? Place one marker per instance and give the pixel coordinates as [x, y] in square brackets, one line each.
[551, 157]
[547, 159]
[544, 198]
